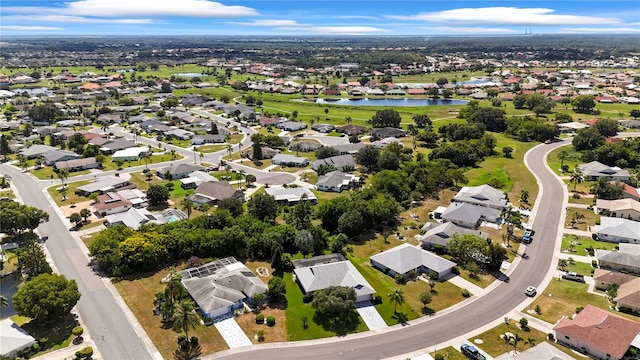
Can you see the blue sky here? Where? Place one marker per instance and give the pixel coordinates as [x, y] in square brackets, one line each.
[307, 17]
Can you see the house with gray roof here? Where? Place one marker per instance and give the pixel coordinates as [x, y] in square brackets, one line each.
[387, 132]
[179, 134]
[207, 139]
[134, 218]
[351, 149]
[210, 192]
[482, 195]
[222, 286]
[336, 181]
[196, 178]
[13, 339]
[541, 351]
[406, 257]
[323, 128]
[290, 160]
[340, 162]
[595, 171]
[103, 185]
[178, 171]
[626, 259]
[437, 234]
[53, 156]
[305, 146]
[77, 164]
[291, 125]
[290, 195]
[468, 215]
[111, 146]
[341, 273]
[34, 151]
[618, 230]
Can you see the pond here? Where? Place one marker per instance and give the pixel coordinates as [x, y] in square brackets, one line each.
[189, 74]
[8, 287]
[392, 102]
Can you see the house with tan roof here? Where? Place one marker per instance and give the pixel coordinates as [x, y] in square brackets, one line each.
[628, 295]
[621, 208]
[598, 333]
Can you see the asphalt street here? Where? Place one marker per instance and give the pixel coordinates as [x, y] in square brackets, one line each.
[425, 333]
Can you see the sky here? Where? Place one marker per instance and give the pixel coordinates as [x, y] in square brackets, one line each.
[318, 17]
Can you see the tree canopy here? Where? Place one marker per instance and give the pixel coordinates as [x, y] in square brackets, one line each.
[385, 118]
[46, 297]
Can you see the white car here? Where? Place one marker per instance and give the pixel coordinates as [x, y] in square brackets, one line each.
[531, 291]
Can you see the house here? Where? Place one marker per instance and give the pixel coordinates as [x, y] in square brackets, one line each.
[130, 154]
[336, 181]
[598, 333]
[621, 208]
[628, 296]
[77, 164]
[316, 277]
[211, 192]
[178, 171]
[603, 278]
[207, 139]
[134, 218]
[34, 151]
[482, 195]
[629, 192]
[618, 230]
[179, 134]
[571, 127]
[196, 178]
[351, 149]
[305, 146]
[13, 339]
[595, 170]
[267, 152]
[134, 196]
[339, 162]
[290, 160]
[468, 215]
[68, 123]
[268, 121]
[436, 234]
[388, 132]
[627, 259]
[629, 124]
[291, 195]
[351, 129]
[221, 286]
[405, 258]
[103, 185]
[381, 144]
[291, 126]
[542, 351]
[53, 156]
[323, 128]
[111, 203]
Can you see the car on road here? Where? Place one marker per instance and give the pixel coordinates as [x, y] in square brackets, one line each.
[471, 352]
[531, 291]
[573, 276]
[527, 238]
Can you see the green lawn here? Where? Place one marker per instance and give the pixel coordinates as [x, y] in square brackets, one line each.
[589, 219]
[574, 158]
[211, 148]
[494, 344]
[450, 353]
[72, 197]
[581, 200]
[297, 309]
[581, 268]
[580, 243]
[58, 334]
[46, 173]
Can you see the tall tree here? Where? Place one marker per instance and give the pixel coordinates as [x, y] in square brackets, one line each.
[185, 317]
[187, 206]
[263, 207]
[397, 298]
[386, 118]
[576, 177]
[46, 297]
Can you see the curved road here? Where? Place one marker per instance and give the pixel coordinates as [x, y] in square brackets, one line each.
[424, 333]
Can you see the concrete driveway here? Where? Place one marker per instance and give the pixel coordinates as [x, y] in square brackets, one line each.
[370, 315]
[232, 333]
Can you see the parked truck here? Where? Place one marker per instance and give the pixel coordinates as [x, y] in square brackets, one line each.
[471, 352]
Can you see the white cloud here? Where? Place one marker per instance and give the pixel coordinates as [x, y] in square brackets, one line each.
[467, 30]
[277, 23]
[155, 8]
[507, 16]
[29, 28]
[356, 17]
[621, 30]
[72, 19]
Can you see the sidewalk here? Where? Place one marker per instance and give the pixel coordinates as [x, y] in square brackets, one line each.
[576, 232]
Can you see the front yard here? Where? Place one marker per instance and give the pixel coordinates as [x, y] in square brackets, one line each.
[580, 219]
[574, 244]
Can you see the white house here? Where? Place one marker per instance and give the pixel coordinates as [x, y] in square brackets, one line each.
[336, 181]
[13, 339]
[130, 154]
[406, 257]
[290, 160]
[618, 230]
[595, 170]
[621, 208]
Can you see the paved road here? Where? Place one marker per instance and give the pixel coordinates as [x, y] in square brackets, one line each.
[110, 329]
[425, 333]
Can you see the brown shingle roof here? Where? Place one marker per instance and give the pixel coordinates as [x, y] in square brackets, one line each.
[219, 190]
[600, 329]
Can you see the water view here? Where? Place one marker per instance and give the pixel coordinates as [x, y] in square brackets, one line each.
[392, 102]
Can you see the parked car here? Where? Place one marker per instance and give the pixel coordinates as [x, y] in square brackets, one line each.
[573, 276]
[531, 291]
[527, 238]
[471, 352]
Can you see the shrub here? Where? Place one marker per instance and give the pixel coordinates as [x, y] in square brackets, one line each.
[524, 323]
[43, 340]
[411, 274]
[84, 353]
[439, 356]
[400, 279]
[259, 319]
[260, 335]
[377, 299]
[305, 322]
[455, 270]
[550, 337]
[271, 320]
[307, 298]
[578, 309]
[538, 310]
[466, 293]
[576, 196]
[590, 250]
[77, 331]
[594, 263]
[169, 185]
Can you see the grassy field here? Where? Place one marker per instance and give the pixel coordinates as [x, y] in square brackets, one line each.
[138, 291]
[450, 353]
[586, 200]
[494, 344]
[584, 223]
[72, 197]
[573, 159]
[581, 268]
[580, 243]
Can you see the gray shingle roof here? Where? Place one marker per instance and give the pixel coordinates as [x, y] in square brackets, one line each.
[618, 227]
[597, 169]
[342, 273]
[482, 195]
[406, 257]
[440, 234]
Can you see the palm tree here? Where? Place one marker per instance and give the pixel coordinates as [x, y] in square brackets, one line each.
[576, 178]
[63, 192]
[516, 339]
[63, 174]
[4, 302]
[205, 208]
[187, 205]
[562, 156]
[562, 264]
[397, 298]
[185, 317]
[164, 304]
[22, 162]
[531, 342]
[201, 157]
[241, 174]
[173, 154]
[4, 181]
[524, 196]
[513, 219]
